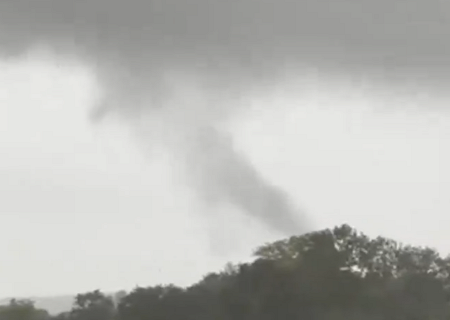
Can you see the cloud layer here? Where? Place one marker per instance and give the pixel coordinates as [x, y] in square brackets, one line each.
[144, 51]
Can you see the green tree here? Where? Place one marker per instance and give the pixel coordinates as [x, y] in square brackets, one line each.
[22, 310]
[92, 306]
[331, 274]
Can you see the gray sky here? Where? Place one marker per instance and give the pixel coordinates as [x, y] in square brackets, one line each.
[210, 113]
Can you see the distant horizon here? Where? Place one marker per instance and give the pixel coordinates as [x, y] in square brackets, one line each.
[106, 291]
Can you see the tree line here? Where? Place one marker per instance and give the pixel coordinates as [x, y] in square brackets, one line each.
[331, 274]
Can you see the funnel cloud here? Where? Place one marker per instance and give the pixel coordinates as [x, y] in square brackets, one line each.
[144, 51]
[224, 175]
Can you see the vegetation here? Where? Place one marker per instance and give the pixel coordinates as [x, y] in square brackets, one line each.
[326, 275]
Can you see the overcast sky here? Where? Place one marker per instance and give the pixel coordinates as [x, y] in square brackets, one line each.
[143, 195]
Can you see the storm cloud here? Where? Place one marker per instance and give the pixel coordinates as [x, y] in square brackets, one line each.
[230, 39]
[144, 51]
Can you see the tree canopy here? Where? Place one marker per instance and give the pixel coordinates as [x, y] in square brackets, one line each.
[330, 274]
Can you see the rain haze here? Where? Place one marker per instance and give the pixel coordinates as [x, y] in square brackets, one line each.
[152, 141]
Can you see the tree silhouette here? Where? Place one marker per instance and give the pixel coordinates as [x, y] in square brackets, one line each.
[331, 274]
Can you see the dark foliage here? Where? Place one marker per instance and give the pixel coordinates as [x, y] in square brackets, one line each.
[330, 274]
